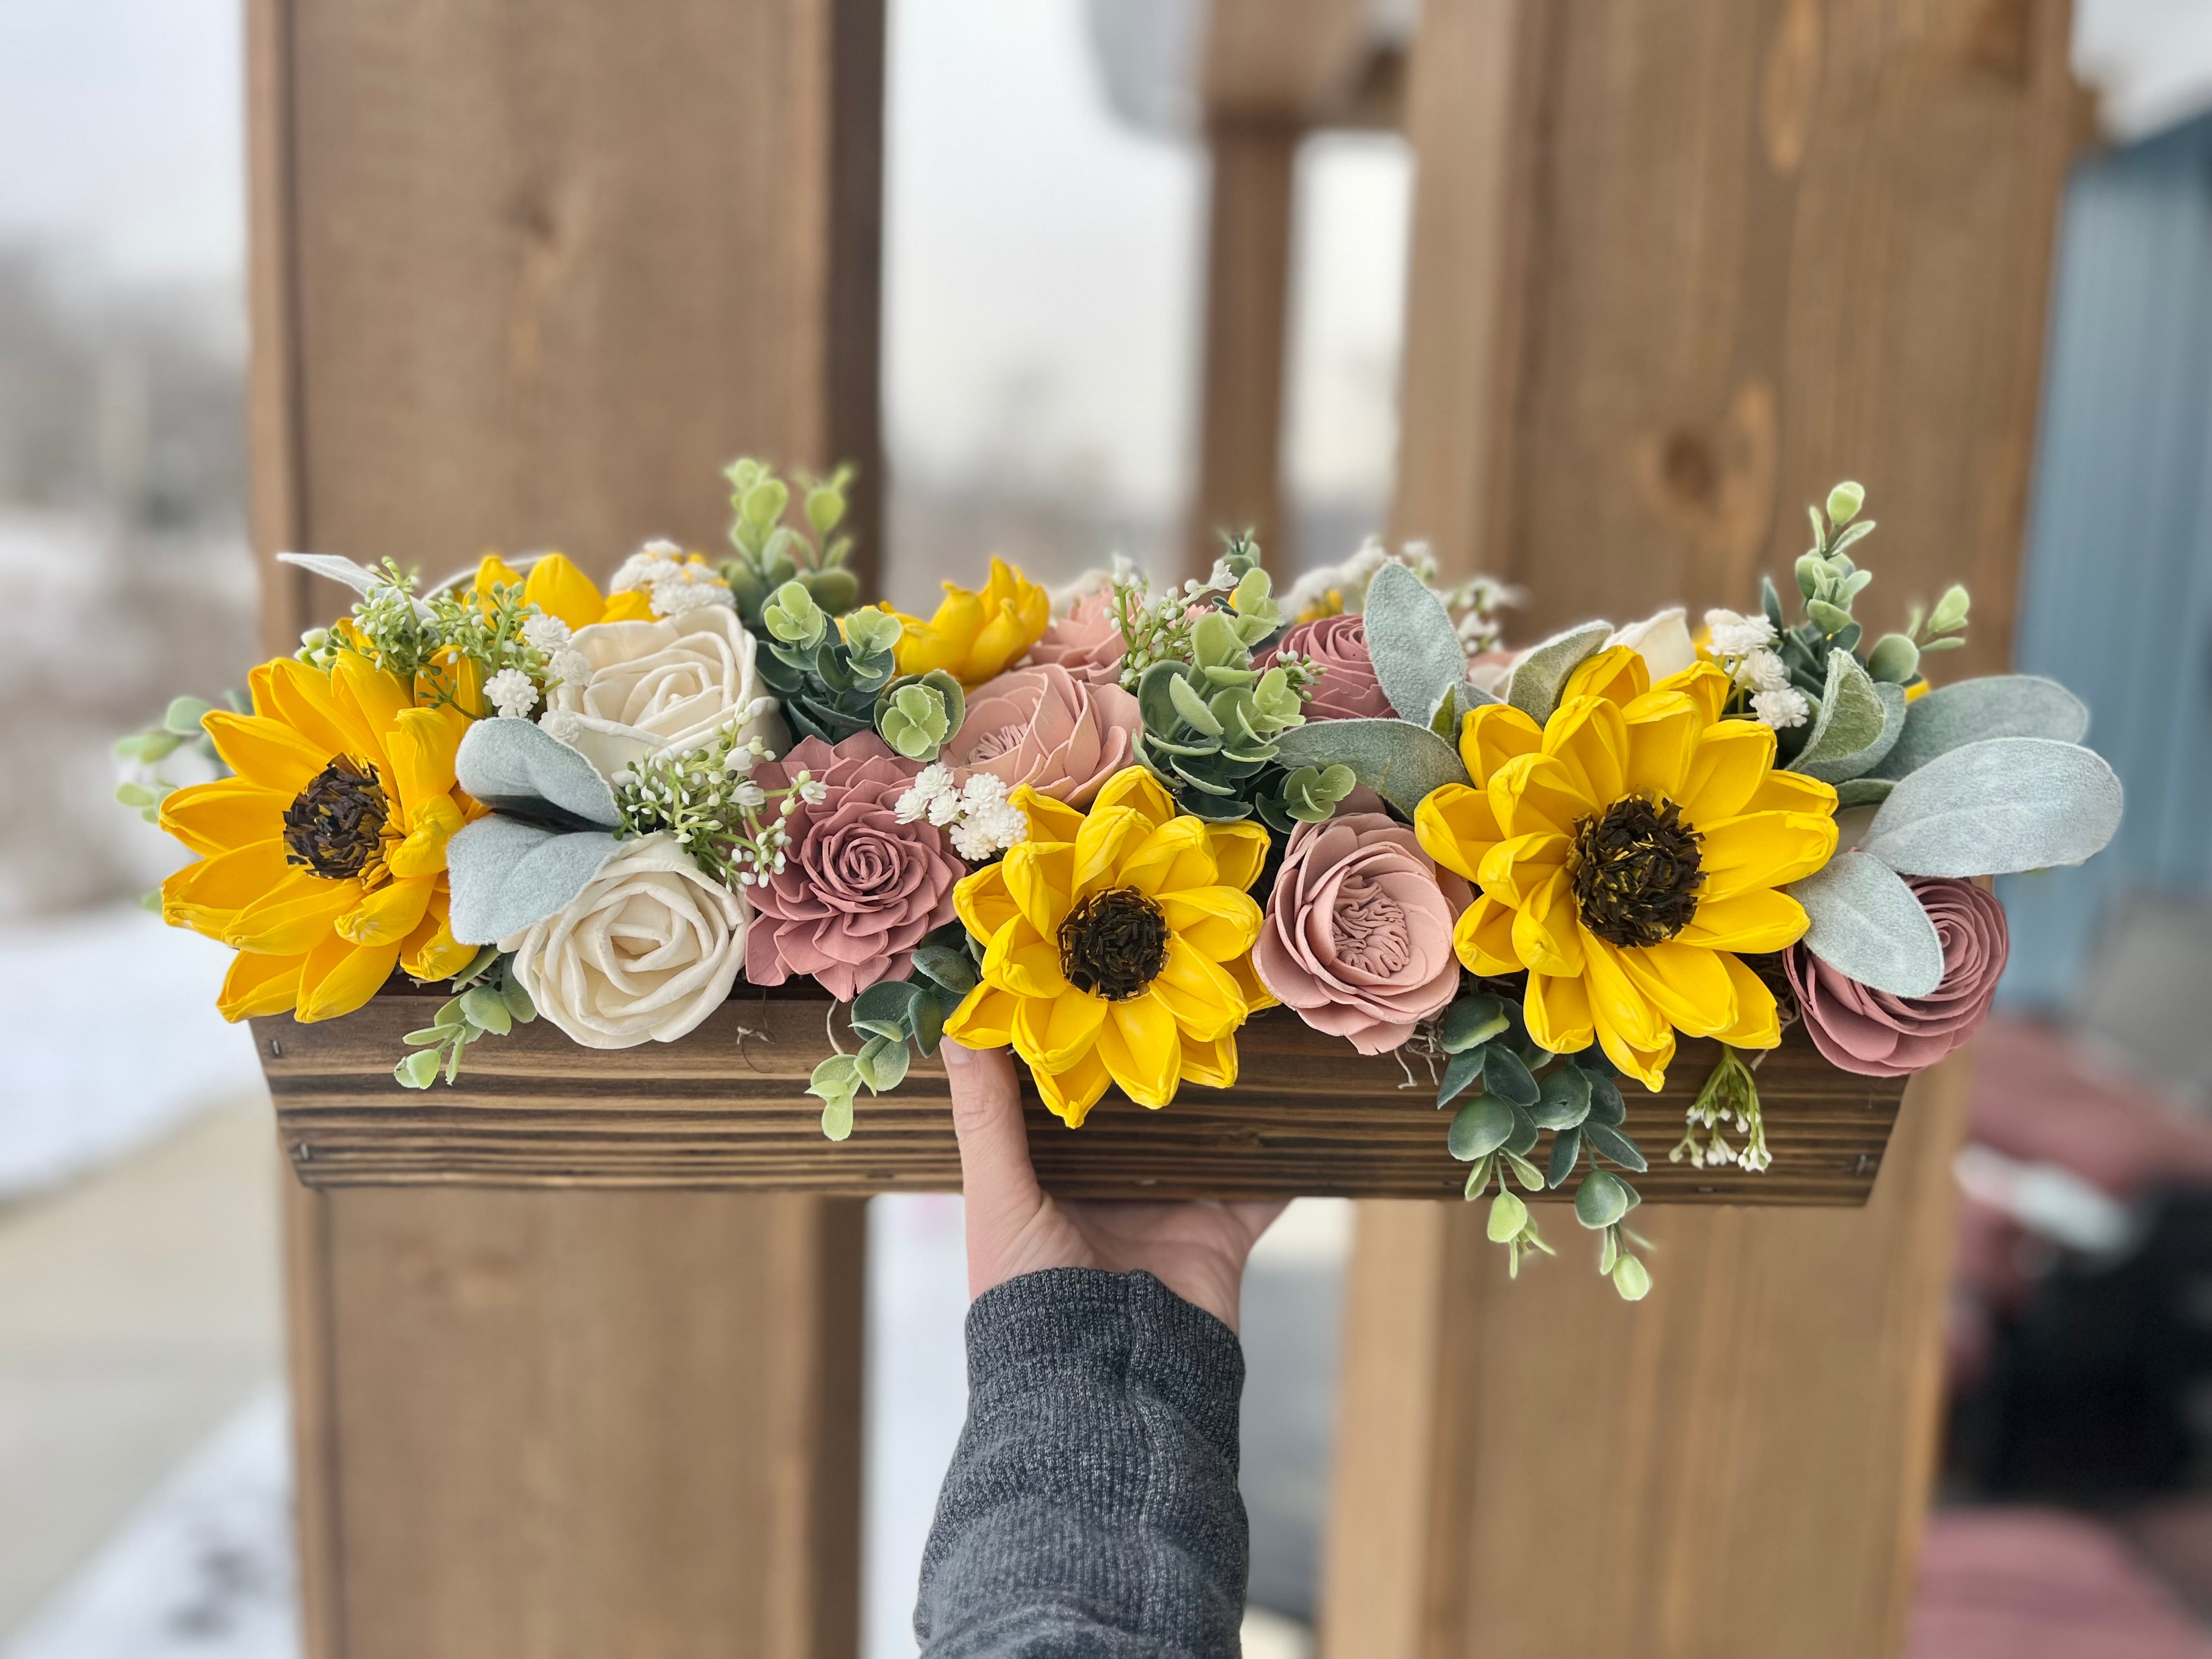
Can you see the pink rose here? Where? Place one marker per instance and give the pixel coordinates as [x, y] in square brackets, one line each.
[1359, 931]
[859, 888]
[1349, 690]
[1042, 726]
[1877, 1034]
[1087, 641]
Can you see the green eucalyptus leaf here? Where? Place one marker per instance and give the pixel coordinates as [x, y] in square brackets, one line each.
[836, 1116]
[1844, 501]
[1863, 791]
[1504, 1076]
[1522, 1140]
[1566, 1148]
[1471, 1021]
[1399, 761]
[1543, 669]
[1631, 1278]
[886, 1004]
[1606, 1104]
[1601, 1200]
[1563, 1099]
[1480, 1129]
[951, 969]
[1459, 1070]
[1894, 660]
[882, 1063]
[183, 716]
[486, 1009]
[1868, 925]
[418, 1071]
[1530, 1177]
[1508, 1214]
[1607, 1141]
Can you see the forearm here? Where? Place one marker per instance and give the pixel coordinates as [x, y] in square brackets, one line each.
[1091, 1507]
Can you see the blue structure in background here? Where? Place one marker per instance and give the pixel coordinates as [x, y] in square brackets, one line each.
[2118, 594]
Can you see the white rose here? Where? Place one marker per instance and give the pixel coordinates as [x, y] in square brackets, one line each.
[658, 686]
[647, 949]
[1663, 642]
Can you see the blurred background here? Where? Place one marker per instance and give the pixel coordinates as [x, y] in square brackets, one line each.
[1042, 311]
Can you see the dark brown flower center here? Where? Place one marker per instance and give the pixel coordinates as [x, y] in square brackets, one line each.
[1114, 943]
[335, 826]
[1636, 871]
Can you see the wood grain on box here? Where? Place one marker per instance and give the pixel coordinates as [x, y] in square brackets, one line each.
[726, 1106]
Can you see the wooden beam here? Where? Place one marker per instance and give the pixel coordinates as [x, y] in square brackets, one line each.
[1676, 267]
[526, 277]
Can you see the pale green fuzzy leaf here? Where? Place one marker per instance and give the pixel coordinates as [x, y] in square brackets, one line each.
[418, 1071]
[1863, 791]
[1998, 806]
[1999, 706]
[1859, 721]
[1416, 651]
[1399, 761]
[519, 767]
[507, 873]
[183, 717]
[1867, 924]
[1540, 674]
[487, 1010]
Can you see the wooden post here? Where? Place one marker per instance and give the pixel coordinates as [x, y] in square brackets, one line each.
[526, 277]
[1678, 267]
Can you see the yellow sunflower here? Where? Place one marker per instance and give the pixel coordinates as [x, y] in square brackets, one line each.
[1120, 946]
[976, 636]
[557, 588]
[1626, 850]
[323, 861]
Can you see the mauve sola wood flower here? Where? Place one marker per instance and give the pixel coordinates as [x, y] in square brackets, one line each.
[1878, 1035]
[1348, 691]
[1062, 736]
[1359, 931]
[859, 888]
[1087, 641]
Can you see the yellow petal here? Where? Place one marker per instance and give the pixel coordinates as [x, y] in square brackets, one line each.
[1483, 937]
[1536, 791]
[1455, 826]
[1663, 736]
[423, 852]
[367, 701]
[982, 901]
[1107, 835]
[1492, 735]
[1758, 1021]
[633, 606]
[1039, 881]
[1021, 960]
[1070, 1095]
[288, 689]
[492, 571]
[265, 751]
[1240, 852]
[1203, 996]
[1049, 819]
[559, 589]
[214, 818]
[1135, 787]
[1547, 926]
[1618, 673]
[420, 747]
[258, 985]
[1757, 918]
[1763, 849]
[338, 977]
[431, 952]
[1558, 1010]
[1142, 1049]
[1616, 1000]
[205, 897]
[984, 1019]
[1220, 922]
[1731, 761]
[1256, 996]
[1211, 1064]
[295, 914]
[1513, 869]
[1792, 792]
[1686, 983]
[1052, 1034]
[1704, 683]
[1176, 855]
[1590, 739]
[1647, 1065]
[390, 914]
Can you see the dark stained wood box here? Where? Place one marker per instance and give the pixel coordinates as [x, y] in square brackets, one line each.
[726, 1107]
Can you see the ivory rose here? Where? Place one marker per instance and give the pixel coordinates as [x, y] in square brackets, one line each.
[858, 889]
[1042, 726]
[1359, 931]
[1087, 641]
[1878, 1035]
[1347, 690]
[660, 686]
[1661, 640]
[647, 949]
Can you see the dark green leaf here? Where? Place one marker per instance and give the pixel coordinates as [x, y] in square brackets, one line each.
[1606, 1139]
[1566, 1148]
[1459, 1070]
[1504, 1076]
[1472, 1020]
[1563, 1100]
[1601, 1200]
[1480, 1129]
[1523, 1137]
[949, 967]
[1607, 1106]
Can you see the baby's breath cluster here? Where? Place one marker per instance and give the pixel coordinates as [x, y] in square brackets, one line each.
[674, 582]
[983, 822]
[733, 828]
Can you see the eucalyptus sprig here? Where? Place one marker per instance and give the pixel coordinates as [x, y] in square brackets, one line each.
[489, 1001]
[830, 676]
[889, 1016]
[771, 550]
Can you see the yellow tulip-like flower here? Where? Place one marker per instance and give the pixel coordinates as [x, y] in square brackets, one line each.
[1119, 945]
[557, 588]
[976, 636]
[1626, 850]
[323, 861]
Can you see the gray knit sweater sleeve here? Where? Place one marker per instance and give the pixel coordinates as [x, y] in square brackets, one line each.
[1092, 1508]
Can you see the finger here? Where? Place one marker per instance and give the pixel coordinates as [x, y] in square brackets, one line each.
[1256, 1217]
[1000, 1186]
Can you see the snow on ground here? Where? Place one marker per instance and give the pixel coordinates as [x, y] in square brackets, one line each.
[108, 1037]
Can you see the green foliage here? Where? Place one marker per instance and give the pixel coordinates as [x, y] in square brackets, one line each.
[488, 1002]
[773, 551]
[918, 713]
[891, 1015]
[827, 678]
[178, 728]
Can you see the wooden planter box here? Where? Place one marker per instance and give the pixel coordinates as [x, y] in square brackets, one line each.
[726, 1107]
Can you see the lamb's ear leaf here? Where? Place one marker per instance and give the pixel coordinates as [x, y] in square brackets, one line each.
[347, 574]
[1398, 760]
[519, 768]
[1542, 671]
[1466, 697]
[1973, 711]
[1869, 925]
[1859, 721]
[507, 873]
[1998, 806]
[1416, 651]
[1863, 791]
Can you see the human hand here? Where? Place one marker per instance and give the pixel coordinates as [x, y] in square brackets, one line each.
[1014, 1227]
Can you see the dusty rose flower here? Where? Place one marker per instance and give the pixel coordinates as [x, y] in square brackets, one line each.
[1042, 726]
[859, 888]
[1878, 1035]
[1086, 642]
[1359, 931]
[1349, 690]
